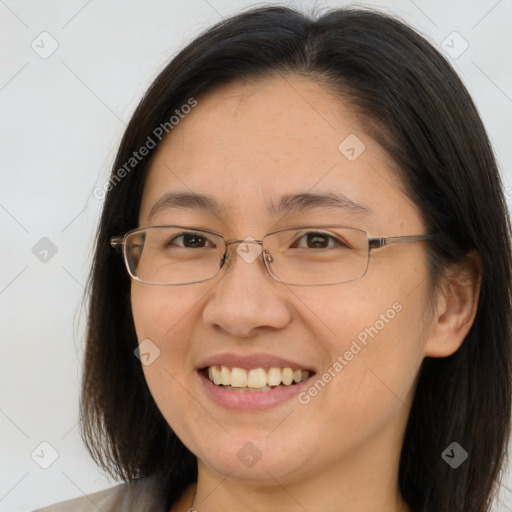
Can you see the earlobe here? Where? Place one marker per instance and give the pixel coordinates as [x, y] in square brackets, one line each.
[455, 308]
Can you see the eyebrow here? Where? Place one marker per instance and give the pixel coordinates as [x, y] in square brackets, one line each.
[292, 203]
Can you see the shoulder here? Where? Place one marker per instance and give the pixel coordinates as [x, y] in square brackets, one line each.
[137, 496]
[106, 500]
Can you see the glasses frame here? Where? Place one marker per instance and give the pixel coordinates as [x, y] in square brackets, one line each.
[118, 242]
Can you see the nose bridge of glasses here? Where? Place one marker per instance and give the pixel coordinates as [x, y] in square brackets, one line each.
[248, 240]
[241, 251]
[247, 254]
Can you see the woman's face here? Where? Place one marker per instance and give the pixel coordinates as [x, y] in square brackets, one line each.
[246, 147]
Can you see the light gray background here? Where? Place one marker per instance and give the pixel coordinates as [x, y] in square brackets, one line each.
[61, 120]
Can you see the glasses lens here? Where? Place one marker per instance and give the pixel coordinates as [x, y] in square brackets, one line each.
[173, 255]
[315, 256]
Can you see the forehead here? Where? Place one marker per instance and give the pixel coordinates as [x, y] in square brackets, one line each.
[267, 118]
[249, 144]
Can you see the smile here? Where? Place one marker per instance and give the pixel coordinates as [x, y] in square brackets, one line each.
[254, 380]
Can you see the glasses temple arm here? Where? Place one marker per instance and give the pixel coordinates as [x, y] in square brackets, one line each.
[376, 243]
[116, 241]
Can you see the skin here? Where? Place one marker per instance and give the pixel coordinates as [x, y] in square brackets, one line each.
[245, 144]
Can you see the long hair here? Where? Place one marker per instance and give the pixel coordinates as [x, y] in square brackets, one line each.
[417, 108]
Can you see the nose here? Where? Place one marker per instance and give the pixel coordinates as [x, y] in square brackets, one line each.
[245, 299]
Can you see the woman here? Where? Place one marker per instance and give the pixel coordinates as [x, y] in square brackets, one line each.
[314, 307]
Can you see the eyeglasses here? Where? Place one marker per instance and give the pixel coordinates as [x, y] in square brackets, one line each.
[306, 256]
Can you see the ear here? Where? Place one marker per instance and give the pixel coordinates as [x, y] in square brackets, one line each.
[456, 306]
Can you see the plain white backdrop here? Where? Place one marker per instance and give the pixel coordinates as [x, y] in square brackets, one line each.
[71, 74]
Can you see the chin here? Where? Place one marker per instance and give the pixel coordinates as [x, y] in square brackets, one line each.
[255, 457]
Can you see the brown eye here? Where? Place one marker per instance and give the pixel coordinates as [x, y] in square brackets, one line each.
[319, 241]
[190, 240]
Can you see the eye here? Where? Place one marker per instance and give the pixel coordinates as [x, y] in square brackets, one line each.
[190, 241]
[317, 240]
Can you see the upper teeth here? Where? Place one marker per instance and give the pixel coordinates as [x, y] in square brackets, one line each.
[255, 378]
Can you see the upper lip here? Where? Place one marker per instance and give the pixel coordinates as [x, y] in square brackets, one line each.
[249, 361]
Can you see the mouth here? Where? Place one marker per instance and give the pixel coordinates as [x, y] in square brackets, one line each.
[254, 380]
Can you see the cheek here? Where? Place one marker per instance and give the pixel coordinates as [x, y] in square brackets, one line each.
[163, 313]
[373, 348]
[371, 335]
[164, 318]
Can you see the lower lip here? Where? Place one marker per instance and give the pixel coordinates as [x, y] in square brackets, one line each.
[251, 401]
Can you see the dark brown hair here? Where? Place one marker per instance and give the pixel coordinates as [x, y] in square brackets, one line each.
[418, 109]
